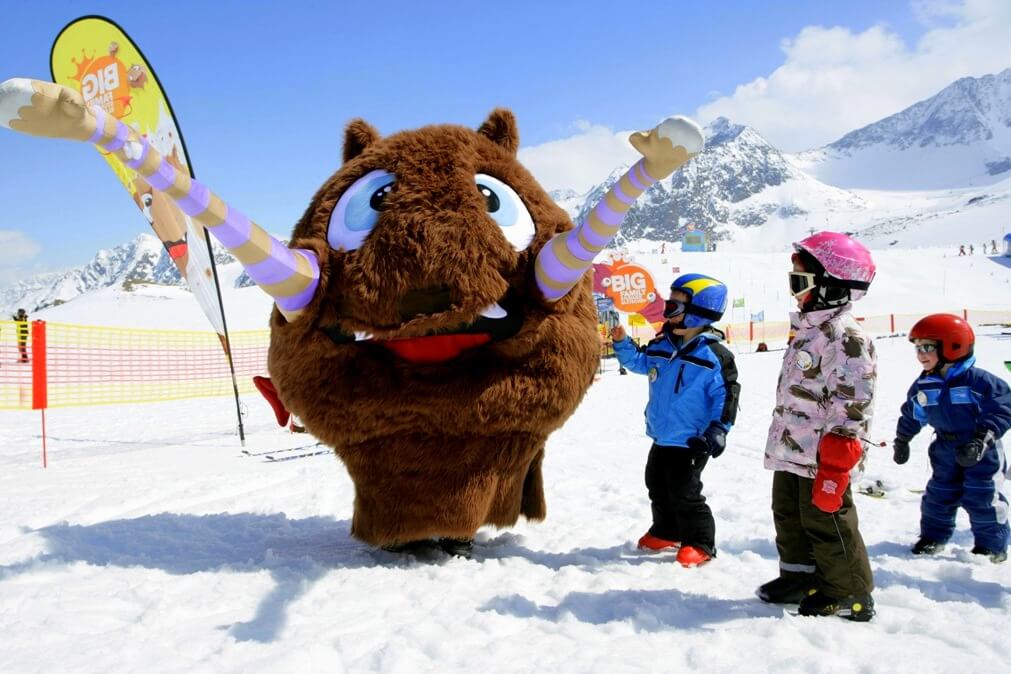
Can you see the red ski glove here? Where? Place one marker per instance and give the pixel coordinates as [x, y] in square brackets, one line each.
[837, 454]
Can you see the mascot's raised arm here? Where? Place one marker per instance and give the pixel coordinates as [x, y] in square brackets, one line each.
[433, 322]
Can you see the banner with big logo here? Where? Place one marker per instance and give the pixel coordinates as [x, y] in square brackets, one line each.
[631, 288]
[96, 57]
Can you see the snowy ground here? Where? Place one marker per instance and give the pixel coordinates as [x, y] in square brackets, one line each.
[152, 544]
[883, 218]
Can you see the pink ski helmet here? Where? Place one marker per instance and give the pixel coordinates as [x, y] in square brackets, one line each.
[843, 258]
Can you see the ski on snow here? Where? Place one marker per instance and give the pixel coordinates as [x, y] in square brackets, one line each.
[272, 455]
[290, 457]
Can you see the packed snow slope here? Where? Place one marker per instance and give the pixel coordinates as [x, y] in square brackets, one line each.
[152, 543]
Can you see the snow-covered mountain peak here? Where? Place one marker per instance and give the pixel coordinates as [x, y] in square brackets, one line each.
[969, 110]
[563, 194]
[143, 259]
[959, 137]
[722, 130]
[739, 181]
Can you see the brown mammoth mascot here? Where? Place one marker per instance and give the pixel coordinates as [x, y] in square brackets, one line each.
[433, 320]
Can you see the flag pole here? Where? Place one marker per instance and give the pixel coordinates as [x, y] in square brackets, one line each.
[224, 327]
[217, 284]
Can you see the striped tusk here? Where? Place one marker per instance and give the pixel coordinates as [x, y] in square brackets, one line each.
[37, 108]
[567, 256]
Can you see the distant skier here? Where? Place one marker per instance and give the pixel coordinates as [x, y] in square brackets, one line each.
[21, 317]
[969, 409]
[961, 250]
[693, 393]
[824, 405]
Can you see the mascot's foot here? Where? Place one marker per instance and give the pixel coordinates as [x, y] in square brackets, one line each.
[458, 547]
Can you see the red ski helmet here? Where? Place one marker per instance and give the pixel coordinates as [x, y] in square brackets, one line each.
[954, 335]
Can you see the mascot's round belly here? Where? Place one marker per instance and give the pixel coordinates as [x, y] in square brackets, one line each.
[437, 450]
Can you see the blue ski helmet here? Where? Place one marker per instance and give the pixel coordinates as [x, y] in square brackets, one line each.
[707, 298]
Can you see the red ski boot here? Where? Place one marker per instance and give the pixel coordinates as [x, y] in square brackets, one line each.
[651, 543]
[689, 556]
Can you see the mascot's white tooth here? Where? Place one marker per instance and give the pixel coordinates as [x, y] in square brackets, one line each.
[494, 311]
[362, 336]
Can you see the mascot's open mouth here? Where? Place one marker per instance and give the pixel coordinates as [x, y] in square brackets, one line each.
[498, 321]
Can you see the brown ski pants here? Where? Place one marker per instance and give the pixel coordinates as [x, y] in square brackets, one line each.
[810, 541]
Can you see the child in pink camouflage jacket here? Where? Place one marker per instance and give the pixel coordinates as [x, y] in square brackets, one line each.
[824, 404]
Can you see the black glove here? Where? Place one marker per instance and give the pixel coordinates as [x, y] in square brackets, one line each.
[712, 442]
[900, 450]
[969, 454]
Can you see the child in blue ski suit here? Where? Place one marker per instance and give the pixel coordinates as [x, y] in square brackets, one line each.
[969, 409]
[693, 393]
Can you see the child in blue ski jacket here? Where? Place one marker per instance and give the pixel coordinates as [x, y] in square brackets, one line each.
[969, 409]
[693, 394]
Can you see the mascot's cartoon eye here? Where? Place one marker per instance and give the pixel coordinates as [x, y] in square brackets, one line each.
[357, 211]
[506, 208]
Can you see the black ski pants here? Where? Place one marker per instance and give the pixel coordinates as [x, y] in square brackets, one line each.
[680, 512]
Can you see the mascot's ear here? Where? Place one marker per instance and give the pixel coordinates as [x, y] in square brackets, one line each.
[358, 135]
[500, 128]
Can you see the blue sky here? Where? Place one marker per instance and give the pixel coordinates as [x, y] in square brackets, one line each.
[262, 90]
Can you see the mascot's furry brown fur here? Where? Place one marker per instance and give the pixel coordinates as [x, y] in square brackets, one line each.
[435, 449]
[433, 320]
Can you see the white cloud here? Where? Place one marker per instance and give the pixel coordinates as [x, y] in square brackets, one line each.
[831, 82]
[16, 251]
[834, 80]
[580, 161]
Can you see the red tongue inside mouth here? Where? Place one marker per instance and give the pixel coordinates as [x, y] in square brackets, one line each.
[436, 348]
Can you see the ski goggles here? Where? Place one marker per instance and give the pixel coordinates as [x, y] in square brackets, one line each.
[926, 347]
[805, 281]
[672, 308]
[802, 282]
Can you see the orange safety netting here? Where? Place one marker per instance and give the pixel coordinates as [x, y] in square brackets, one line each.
[72, 365]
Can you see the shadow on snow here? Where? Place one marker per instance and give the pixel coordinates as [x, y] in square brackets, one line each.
[295, 552]
[299, 552]
[647, 610]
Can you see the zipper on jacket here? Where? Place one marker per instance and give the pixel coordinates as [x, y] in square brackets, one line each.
[680, 379]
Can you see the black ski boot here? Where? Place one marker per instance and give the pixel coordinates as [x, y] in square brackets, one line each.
[458, 547]
[787, 589]
[859, 608]
[995, 557]
[419, 547]
[925, 546]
